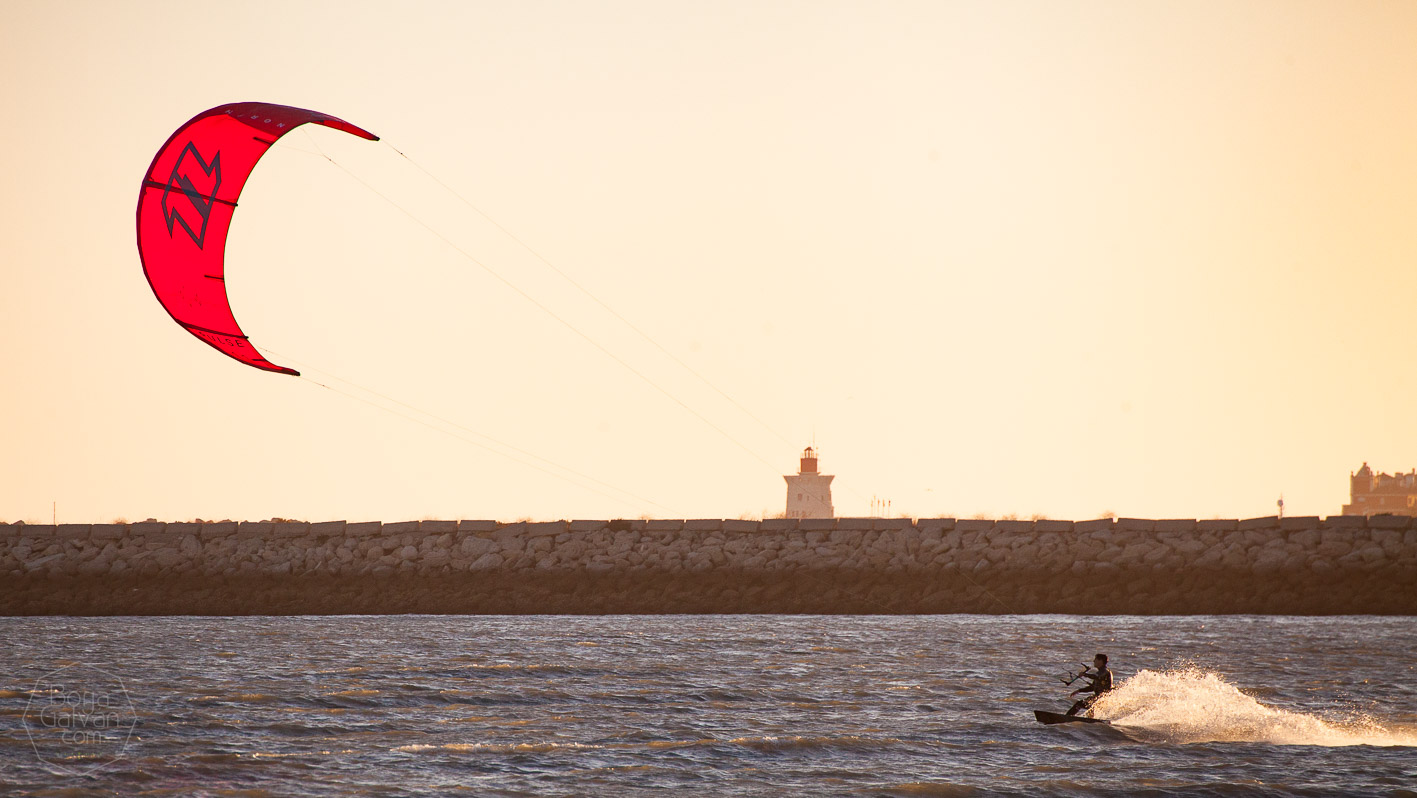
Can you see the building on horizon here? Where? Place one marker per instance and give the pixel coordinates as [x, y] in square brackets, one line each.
[809, 494]
[1381, 494]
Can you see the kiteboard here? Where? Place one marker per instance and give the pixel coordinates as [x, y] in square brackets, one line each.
[1051, 718]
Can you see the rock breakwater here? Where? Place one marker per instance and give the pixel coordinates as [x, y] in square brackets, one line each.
[1337, 565]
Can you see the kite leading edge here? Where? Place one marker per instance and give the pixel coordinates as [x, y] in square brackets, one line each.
[184, 211]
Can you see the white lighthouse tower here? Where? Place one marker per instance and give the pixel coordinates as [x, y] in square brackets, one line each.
[809, 494]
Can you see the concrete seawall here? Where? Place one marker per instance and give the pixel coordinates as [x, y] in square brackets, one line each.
[1337, 565]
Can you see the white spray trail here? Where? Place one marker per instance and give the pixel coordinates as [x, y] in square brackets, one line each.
[1194, 706]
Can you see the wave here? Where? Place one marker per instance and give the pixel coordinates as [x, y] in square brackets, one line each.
[1196, 706]
[238, 698]
[501, 748]
[931, 789]
[789, 743]
[762, 744]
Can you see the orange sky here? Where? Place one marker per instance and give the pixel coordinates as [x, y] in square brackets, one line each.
[1027, 258]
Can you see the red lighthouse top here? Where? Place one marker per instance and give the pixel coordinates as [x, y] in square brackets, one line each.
[809, 461]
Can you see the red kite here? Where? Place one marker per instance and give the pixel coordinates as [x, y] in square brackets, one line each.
[185, 208]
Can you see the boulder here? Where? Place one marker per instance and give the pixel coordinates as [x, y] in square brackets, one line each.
[254, 530]
[487, 562]
[290, 529]
[217, 529]
[327, 529]
[72, 532]
[117, 531]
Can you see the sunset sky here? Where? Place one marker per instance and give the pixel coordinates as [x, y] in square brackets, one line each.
[1056, 259]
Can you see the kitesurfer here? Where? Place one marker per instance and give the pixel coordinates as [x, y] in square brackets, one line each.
[1098, 683]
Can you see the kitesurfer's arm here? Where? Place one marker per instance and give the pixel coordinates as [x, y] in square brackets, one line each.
[1090, 687]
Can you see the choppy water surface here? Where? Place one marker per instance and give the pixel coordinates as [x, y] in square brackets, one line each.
[720, 705]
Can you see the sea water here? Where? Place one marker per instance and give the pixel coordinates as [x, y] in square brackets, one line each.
[708, 705]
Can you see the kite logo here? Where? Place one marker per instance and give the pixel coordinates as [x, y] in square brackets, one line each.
[198, 185]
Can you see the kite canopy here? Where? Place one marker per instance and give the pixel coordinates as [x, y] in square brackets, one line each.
[185, 208]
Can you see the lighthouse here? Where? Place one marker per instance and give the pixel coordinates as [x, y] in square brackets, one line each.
[809, 494]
